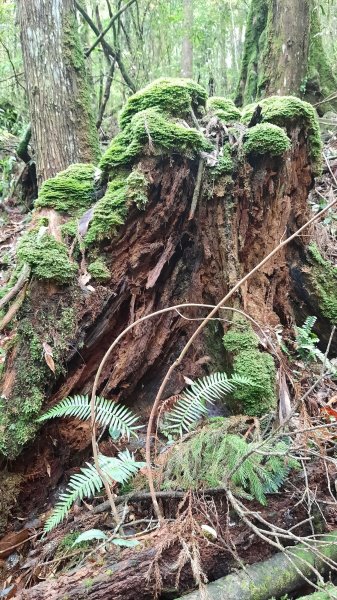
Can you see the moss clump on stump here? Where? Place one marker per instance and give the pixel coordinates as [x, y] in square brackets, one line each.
[47, 257]
[266, 139]
[224, 108]
[98, 270]
[288, 111]
[174, 96]
[55, 324]
[152, 128]
[70, 191]
[224, 165]
[258, 366]
[109, 213]
[324, 279]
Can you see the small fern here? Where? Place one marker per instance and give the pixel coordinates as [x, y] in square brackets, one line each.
[108, 413]
[306, 345]
[86, 483]
[211, 454]
[191, 405]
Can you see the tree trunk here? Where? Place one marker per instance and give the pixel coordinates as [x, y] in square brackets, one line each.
[63, 129]
[187, 47]
[284, 53]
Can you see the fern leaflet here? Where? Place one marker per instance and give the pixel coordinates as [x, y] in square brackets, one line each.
[108, 413]
[191, 405]
[86, 483]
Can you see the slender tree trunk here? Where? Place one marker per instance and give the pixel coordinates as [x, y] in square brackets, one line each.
[187, 48]
[63, 130]
[284, 53]
[287, 48]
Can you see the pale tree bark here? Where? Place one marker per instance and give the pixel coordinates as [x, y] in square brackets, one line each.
[187, 47]
[287, 47]
[63, 129]
[284, 53]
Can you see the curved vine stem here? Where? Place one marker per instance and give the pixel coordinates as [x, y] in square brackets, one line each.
[105, 358]
[193, 337]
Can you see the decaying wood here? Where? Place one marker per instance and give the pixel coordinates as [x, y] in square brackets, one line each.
[160, 259]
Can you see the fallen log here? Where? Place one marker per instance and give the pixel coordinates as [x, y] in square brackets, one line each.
[328, 593]
[281, 574]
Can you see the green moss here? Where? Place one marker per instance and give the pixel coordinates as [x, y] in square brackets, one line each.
[258, 366]
[109, 213]
[98, 270]
[288, 112]
[238, 340]
[67, 542]
[321, 80]
[10, 487]
[174, 96]
[70, 228]
[324, 279]
[70, 191]
[47, 257]
[137, 188]
[251, 63]
[224, 108]
[56, 325]
[74, 58]
[266, 138]
[153, 129]
[224, 165]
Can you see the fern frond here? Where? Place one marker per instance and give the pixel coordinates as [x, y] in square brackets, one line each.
[308, 324]
[108, 413]
[81, 485]
[86, 483]
[191, 405]
[185, 413]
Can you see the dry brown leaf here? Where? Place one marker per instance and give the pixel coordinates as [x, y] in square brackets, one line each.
[48, 356]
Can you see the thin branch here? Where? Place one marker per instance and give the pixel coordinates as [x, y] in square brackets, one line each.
[107, 48]
[108, 27]
[15, 75]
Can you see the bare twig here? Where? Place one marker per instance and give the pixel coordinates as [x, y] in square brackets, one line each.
[108, 27]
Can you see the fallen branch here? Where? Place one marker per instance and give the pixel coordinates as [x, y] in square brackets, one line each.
[144, 496]
[13, 309]
[23, 277]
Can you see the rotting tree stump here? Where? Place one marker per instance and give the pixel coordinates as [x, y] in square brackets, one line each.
[159, 257]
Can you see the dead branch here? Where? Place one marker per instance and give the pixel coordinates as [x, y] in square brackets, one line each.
[23, 277]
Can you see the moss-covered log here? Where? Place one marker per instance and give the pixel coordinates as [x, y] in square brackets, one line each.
[274, 577]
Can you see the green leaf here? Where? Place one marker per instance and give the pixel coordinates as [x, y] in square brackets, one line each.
[91, 534]
[125, 543]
